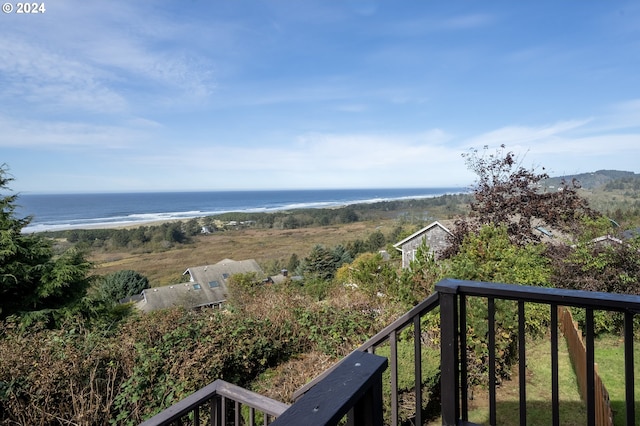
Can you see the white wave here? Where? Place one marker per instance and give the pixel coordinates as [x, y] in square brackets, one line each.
[146, 218]
[115, 221]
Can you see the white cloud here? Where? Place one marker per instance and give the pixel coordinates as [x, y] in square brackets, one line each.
[573, 146]
[623, 115]
[522, 135]
[97, 57]
[465, 22]
[39, 77]
[321, 160]
[67, 134]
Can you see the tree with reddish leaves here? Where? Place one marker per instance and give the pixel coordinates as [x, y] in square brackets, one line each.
[508, 194]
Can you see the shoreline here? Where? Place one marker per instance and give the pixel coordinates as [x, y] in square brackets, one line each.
[155, 219]
[114, 225]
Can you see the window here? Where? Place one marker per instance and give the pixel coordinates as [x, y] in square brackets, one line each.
[197, 286]
[214, 284]
[225, 275]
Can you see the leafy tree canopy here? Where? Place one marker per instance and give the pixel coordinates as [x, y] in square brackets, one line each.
[370, 273]
[508, 194]
[600, 261]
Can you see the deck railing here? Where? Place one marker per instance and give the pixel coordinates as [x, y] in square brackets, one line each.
[452, 297]
[218, 404]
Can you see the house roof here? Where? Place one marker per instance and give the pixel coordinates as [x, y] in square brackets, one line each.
[221, 271]
[419, 233]
[207, 286]
[606, 239]
[631, 233]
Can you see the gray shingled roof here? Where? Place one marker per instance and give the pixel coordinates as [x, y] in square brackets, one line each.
[419, 233]
[207, 286]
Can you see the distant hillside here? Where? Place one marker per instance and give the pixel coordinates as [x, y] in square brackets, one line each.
[597, 179]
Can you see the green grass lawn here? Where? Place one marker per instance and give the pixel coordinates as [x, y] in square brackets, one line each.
[609, 355]
[539, 410]
[572, 409]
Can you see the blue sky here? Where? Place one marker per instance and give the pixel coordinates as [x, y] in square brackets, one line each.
[234, 94]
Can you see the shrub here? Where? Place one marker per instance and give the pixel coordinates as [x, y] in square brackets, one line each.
[121, 284]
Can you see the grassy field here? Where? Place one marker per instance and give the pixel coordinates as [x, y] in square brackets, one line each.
[277, 245]
[263, 245]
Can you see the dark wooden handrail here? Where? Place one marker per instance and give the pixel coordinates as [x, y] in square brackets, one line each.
[354, 387]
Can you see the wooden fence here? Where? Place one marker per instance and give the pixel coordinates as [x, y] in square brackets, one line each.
[578, 355]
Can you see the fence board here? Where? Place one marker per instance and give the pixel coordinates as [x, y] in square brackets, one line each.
[578, 355]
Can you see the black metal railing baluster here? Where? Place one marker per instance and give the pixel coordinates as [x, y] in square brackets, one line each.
[522, 364]
[491, 308]
[628, 369]
[223, 411]
[417, 367]
[252, 416]
[215, 411]
[196, 416]
[555, 384]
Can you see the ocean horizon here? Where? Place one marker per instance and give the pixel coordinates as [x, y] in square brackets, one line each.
[56, 212]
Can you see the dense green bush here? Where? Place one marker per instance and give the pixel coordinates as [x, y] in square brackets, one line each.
[336, 331]
[121, 284]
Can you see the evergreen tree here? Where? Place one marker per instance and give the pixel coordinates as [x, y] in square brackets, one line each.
[293, 263]
[121, 284]
[322, 262]
[32, 278]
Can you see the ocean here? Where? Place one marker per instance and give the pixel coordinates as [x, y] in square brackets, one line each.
[51, 212]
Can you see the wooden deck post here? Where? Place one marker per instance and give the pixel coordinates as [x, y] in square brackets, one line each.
[353, 388]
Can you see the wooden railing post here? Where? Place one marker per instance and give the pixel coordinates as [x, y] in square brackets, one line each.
[449, 369]
[354, 387]
[368, 410]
